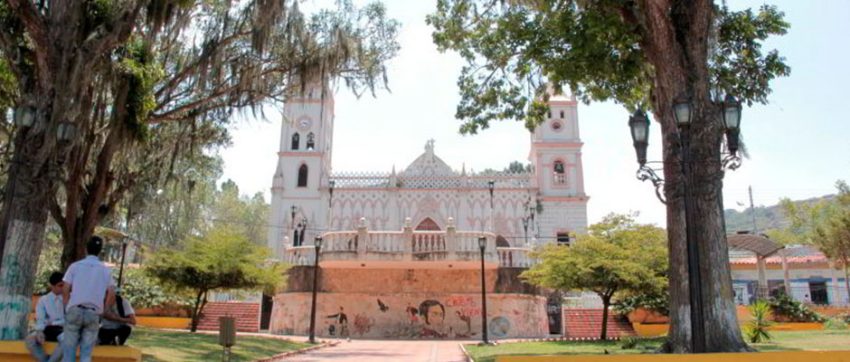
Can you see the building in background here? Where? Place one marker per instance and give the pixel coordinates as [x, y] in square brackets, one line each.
[400, 257]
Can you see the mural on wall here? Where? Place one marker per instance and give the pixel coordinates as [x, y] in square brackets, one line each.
[435, 316]
[499, 327]
[341, 323]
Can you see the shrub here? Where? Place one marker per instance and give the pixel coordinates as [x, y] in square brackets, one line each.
[145, 292]
[835, 324]
[756, 330]
[654, 302]
[786, 307]
[629, 342]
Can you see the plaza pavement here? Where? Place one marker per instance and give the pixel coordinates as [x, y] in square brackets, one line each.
[384, 350]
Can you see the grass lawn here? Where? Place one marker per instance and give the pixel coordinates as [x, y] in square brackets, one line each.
[782, 341]
[169, 346]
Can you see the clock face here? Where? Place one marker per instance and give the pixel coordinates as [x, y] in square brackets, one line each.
[304, 124]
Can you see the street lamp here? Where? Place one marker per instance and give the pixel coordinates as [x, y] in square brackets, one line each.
[65, 131]
[318, 244]
[482, 244]
[732, 121]
[682, 113]
[25, 116]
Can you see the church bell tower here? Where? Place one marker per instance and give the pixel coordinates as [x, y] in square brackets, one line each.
[300, 183]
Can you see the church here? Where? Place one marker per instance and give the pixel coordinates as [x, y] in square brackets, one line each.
[402, 251]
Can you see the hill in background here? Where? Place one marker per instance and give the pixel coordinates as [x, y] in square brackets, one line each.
[767, 217]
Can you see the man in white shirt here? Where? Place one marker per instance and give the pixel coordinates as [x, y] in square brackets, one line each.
[87, 283]
[117, 322]
[49, 318]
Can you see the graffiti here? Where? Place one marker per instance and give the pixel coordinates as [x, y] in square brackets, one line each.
[499, 327]
[342, 320]
[412, 314]
[13, 311]
[467, 319]
[460, 301]
[362, 324]
[383, 307]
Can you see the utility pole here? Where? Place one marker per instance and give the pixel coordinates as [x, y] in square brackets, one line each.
[753, 211]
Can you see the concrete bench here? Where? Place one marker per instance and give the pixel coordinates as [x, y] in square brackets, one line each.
[15, 351]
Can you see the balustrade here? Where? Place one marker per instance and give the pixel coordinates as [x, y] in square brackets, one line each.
[409, 245]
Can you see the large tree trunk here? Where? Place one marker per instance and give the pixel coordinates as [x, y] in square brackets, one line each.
[676, 43]
[26, 192]
[846, 279]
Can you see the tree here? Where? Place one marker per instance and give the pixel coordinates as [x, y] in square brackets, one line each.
[616, 258]
[222, 259]
[826, 225]
[641, 54]
[171, 101]
[122, 73]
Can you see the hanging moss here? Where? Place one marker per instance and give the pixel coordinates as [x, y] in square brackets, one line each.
[98, 12]
[141, 71]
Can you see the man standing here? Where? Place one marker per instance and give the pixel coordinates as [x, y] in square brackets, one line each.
[87, 282]
[116, 322]
[49, 318]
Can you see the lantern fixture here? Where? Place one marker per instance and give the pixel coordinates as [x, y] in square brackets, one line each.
[482, 243]
[732, 121]
[318, 242]
[682, 111]
[65, 131]
[24, 116]
[639, 125]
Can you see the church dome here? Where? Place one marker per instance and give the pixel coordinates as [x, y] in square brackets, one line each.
[428, 164]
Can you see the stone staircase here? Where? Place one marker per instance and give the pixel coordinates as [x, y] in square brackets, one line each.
[587, 324]
[247, 316]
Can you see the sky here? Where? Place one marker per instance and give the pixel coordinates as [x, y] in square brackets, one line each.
[798, 144]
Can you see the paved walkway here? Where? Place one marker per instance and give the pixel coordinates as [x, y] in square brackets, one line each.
[369, 350]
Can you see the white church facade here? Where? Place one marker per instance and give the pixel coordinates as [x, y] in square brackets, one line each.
[403, 252]
[544, 204]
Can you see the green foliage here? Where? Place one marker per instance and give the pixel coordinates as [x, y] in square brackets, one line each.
[222, 259]
[784, 306]
[836, 324]
[657, 302]
[141, 71]
[145, 292]
[48, 262]
[617, 256]
[513, 49]
[756, 330]
[629, 342]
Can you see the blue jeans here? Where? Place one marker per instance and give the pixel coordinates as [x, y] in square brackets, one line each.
[81, 325]
[37, 350]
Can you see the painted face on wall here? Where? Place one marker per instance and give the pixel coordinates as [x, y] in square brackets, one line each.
[433, 312]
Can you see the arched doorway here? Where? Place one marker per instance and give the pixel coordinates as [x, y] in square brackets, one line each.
[428, 225]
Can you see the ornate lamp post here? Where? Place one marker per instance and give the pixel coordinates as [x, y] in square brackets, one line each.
[482, 244]
[639, 125]
[318, 244]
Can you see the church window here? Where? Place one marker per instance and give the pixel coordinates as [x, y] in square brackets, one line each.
[558, 168]
[302, 176]
[311, 141]
[549, 114]
[296, 138]
[562, 114]
[563, 238]
[556, 126]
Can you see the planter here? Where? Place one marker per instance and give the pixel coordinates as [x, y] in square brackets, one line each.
[646, 316]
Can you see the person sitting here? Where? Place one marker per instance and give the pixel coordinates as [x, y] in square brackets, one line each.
[49, 319]
[117, 321]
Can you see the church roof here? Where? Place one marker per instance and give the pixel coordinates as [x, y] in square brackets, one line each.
[428, 164]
